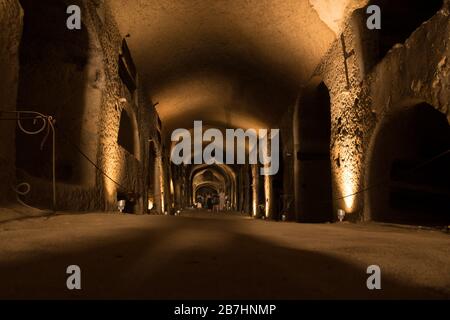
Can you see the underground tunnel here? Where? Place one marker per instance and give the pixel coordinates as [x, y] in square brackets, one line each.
[324, 146]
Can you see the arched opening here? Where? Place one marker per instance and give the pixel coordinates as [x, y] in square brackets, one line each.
[313, 156]
[55, 79]
[204, 190]
[409, 168]
[203, 193]
[221, 177]
[212, 176]
[400, 18]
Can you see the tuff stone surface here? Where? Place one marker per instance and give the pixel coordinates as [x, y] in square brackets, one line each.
[11, 26]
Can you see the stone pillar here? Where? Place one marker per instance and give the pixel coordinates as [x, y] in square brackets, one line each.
[255, 187]
[268, 195]
[158, 192]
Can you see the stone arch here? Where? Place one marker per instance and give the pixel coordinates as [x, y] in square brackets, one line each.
[418, 83]
[209, 186]
[59, 76]
[407, 167]
[226, 171]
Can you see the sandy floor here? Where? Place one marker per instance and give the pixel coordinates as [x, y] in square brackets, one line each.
[208, 257]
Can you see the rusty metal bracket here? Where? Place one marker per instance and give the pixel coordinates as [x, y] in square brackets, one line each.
[48, 125]
[346, 56]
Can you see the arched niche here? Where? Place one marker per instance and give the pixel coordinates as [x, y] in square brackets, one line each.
[409, 176]
[59, 76]
[312, 167]
[229, 182]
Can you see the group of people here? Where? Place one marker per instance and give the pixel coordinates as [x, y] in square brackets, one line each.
[213, 202]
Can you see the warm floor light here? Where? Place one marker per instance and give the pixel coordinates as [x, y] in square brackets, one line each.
[341, 215]
[121, 205]
[171, 187]
[349, 185]
[150, 204]
[268, 194]
[255, 208]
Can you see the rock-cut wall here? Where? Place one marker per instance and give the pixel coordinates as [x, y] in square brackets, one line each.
[72, 75]
[11, 30]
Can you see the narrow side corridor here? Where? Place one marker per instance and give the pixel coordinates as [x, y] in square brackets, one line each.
[217, 256]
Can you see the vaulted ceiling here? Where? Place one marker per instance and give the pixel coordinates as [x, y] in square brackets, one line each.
[235, 63]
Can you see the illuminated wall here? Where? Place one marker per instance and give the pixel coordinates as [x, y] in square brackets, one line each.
[159, 190]
[101, 101]
[347, 152]
[364, 90]
[351, 118]
[268, 196]
[390, 92]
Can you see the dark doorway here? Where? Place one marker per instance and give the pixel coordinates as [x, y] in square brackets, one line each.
[52, 81]
[411, 162]
[314, 156]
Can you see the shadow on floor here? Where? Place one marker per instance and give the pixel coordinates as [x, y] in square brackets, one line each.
[147, 264]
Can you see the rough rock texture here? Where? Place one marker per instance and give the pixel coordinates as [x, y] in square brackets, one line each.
[105, 97]
[11, 26]
[287, 156]
[336, 12]
[350, 119]
[362, 92]
[128, 170]
[238, 56]
[414, 72]
[417, 70]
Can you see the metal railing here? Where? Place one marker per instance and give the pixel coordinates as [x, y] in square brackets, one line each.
[43, 123]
